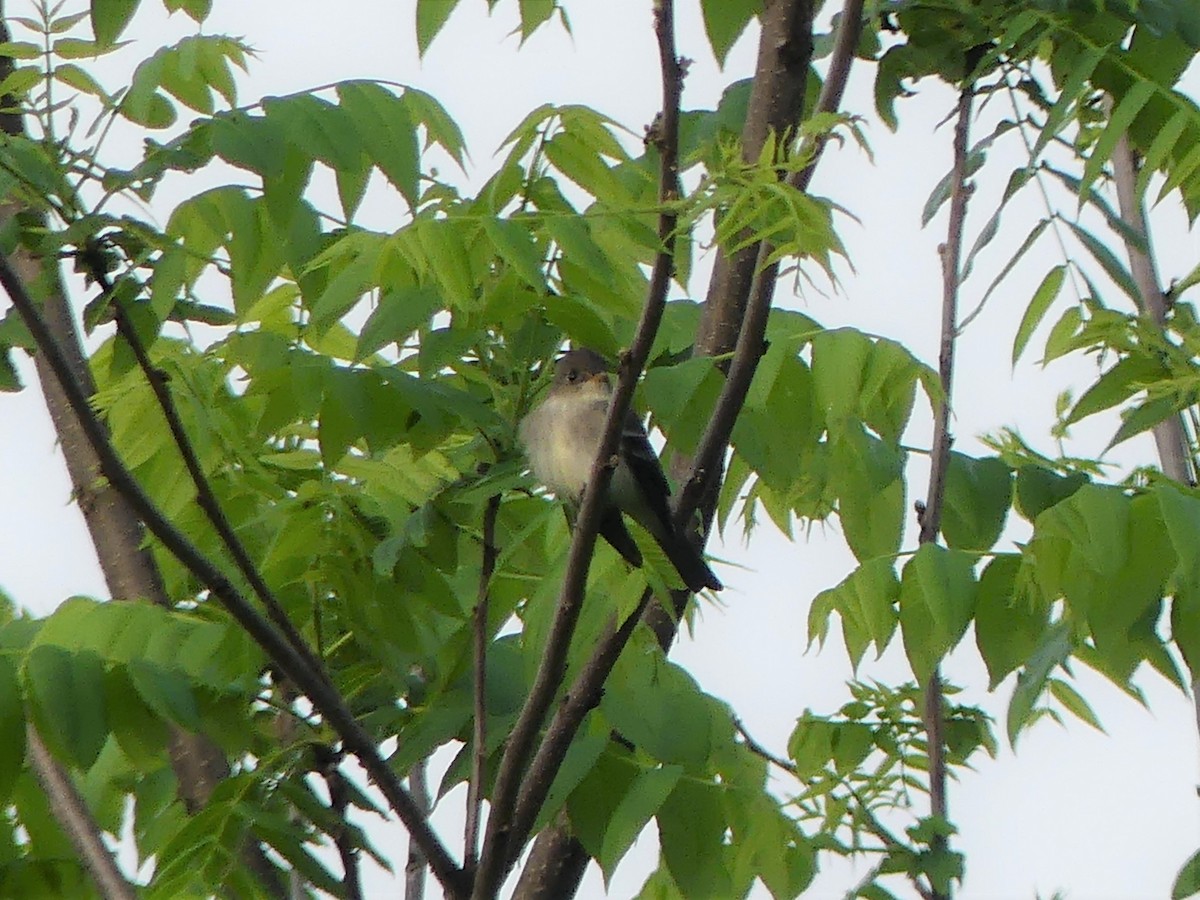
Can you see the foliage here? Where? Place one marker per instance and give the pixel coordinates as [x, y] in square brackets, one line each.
[353, 398]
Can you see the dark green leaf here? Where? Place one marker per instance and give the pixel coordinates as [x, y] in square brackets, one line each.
[67, 690]
[1007, 624]
[12, 726]
[1036, 310]
[1187, 882]
[109, 18]
[976, 500]
[937, 600]
[724, 22]
[691, 827]
[643, 799]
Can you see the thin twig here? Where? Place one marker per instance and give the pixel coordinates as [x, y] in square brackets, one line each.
[479, 729]
[758, 749]
[339, 801]
[206, 498]
[71, 812]
[931, 512]
[324, 698]
[500, 838]
[417, 865]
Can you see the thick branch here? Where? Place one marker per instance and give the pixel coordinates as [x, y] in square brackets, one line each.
[1169, 434]
[501, 838]
[775, 106]
[324, 698]
[128, 568]
[72, 814]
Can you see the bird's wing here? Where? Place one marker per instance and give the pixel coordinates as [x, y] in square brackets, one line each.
[646, 469]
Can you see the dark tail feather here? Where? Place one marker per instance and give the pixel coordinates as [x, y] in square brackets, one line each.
[690, 564]
[613, 530]
[686, 559]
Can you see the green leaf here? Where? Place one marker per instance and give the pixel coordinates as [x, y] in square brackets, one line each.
[1074, 702]
[1118, 124]
[109, 19]
[168, 692]
[657, 705]
[67, 690]
[515, 245]
[12, 726]
[642, 801]
[1112, 266]
[976, 500]
[10, 379]
[937, 600]
[1187, 882]
[385, 127]
[1129, 376]
[868, 476]
[1039, 488]
[1061, 339]
[533, 14]
[399, 313]
[725, 21]
[196, 10]
[1007, 624]
[1045, 294]
[691, 828]
[1052, 650]
[431, 16]
[865, 600]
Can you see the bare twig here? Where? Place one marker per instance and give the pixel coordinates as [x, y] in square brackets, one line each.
[500, 838]
[339, 801]
[324, 698]
[72, 814]
[417, 865]
[931, 512]
[479, 726]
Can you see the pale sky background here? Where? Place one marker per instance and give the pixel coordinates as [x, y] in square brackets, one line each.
[1076, 811]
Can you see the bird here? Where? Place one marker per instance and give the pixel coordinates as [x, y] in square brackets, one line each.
[562, 436]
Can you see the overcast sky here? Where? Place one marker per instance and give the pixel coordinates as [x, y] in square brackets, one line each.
[1094, 816]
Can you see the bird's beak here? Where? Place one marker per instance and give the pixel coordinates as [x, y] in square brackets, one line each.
[601, 377]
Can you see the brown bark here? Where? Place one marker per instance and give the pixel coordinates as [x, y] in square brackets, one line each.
[128, 569]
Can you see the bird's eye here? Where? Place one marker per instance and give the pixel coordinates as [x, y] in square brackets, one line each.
[572, 376]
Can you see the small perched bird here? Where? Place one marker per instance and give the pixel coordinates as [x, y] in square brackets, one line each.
[562, 437]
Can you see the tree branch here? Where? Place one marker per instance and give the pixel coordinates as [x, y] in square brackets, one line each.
[116, 534]
[930, 514]
[72, 814]
[206, 498]
[324, 698]
[1170, 435]
[775, 106]
[479, 726]
[417, 865]
[500, 839]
